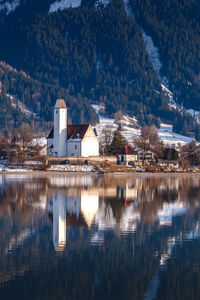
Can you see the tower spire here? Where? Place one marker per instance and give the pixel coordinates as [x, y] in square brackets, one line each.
[60, 128]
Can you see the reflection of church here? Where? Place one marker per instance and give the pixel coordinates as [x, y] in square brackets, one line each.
[74, 210]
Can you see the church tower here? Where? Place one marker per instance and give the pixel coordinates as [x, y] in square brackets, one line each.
[60, 128]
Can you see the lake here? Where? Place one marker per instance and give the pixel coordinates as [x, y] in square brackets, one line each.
[105, 237]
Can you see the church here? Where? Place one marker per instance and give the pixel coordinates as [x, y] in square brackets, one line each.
[70, 139]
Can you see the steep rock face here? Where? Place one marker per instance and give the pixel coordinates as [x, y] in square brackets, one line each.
[90, 51]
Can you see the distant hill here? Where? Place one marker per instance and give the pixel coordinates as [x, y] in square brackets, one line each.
[93, 51]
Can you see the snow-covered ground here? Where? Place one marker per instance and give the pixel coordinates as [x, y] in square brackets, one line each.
[9, 7]
[21, 106]
[63, 4]
[71, 168]
[17, 169]
[130, 129]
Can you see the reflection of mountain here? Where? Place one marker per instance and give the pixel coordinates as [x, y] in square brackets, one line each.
[124, 215]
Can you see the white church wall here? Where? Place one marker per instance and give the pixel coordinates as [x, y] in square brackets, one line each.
[90, 144]
[74, 148]
[49, 144]
[60, 131]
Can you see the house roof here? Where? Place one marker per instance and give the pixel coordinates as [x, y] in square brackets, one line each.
[74, 131]
[128, 150]
[165, 124]
[61, 103]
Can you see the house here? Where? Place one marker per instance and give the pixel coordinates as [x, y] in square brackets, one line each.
[70, 140]
[172, 164]
[146, 156]
[132, 155]
[128, 155]
[166, 127]
[170, 153]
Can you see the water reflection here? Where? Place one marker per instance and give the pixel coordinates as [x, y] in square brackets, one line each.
[121, 235]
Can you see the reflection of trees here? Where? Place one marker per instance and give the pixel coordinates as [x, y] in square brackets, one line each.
[124, 265]
[20, 199]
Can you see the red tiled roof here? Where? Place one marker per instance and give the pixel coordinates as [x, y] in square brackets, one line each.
[165, 124]
[74, 131]
[61, 103]
[128, 150]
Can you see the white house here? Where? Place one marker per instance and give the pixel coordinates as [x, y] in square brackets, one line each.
[70, 140]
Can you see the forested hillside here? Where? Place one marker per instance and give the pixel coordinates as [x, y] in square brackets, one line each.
[174, 26]
[95, 54]
[39, 98]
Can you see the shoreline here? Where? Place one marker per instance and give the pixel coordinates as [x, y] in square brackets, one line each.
[96, 173]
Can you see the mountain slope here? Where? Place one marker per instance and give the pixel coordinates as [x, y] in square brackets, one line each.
[94, 52]
[174, 26]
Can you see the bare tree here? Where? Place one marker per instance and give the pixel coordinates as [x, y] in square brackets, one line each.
[118, 117]
[106, 139]
[189, 147]
[25, 136]
[148, 138]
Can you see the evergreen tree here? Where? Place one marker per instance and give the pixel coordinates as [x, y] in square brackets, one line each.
[117, 143]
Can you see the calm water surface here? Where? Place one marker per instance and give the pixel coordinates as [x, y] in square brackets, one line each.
[100, 237]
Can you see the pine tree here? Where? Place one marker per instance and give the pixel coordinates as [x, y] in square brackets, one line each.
[117, 143]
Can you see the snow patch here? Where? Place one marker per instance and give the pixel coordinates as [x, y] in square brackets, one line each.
[21, 106]
[71, 168]
[128, 9]
[131, 130]
[99, 63]
[63, 4]
[99, 4]
[153, 52]
[9, 7]
[17, 169]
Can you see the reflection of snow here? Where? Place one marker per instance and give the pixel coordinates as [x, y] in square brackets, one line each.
[172, 242]
[127, 223]
[154, 284]
[170, 210]
[72, 181]
[63, 4]
[18, 241]
[97, 238]
[166, 255]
